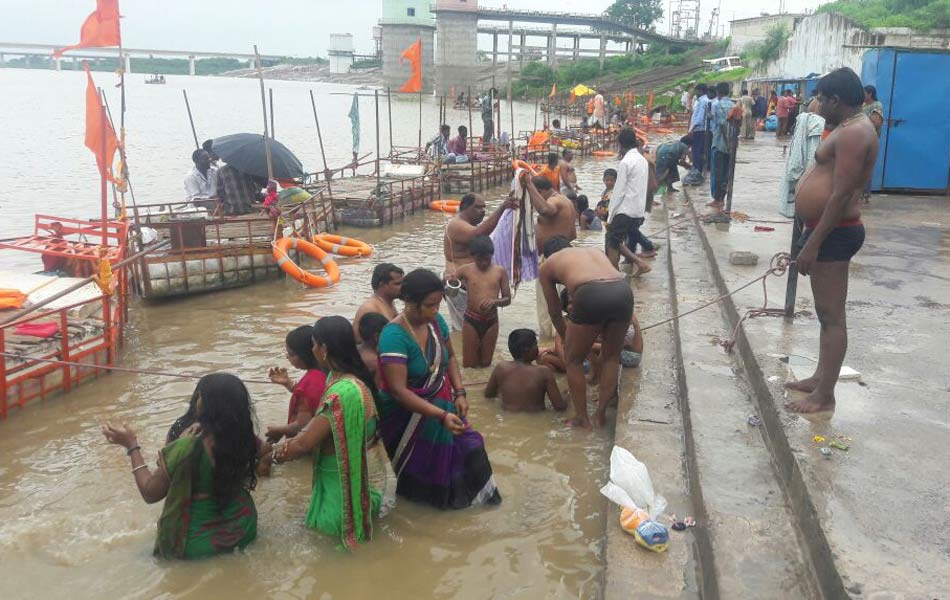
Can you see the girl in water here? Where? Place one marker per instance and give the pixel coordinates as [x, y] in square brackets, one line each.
[305, 394]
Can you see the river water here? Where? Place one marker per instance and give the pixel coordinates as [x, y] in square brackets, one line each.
[71, 520]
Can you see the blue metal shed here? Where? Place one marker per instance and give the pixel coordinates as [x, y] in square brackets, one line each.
[914, 87]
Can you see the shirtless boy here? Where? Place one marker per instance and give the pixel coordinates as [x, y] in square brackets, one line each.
[601, 305]
[522, 385]
[386, 283]
[371, 326]
[828, 200]
[488, 288]
[567, 173]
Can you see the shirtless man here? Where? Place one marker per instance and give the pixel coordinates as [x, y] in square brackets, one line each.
[567, 173]
[386, 282]
[523, 385]
[461, 229]
[552, 171]
[601, 305]
[488, 288]
[828, 200]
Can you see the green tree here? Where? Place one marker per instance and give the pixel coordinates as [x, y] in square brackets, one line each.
[640, 13]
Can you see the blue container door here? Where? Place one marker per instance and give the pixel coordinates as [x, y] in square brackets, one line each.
[918, 137]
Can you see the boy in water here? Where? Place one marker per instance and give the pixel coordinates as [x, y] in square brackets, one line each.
[371, 326]
[488, 288]
[521, 384]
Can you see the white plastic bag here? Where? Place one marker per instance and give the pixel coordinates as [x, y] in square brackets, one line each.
[630, 484]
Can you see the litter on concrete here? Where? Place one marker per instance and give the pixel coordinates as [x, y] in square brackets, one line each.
[743, 258]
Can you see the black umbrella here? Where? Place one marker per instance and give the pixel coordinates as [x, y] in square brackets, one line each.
[245, 152]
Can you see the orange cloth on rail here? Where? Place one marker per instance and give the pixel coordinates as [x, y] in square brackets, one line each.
[11, 298]
[538, 140]
[100, 29]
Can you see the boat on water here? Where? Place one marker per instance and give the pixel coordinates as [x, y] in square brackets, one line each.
[156, 80]
[78, 320]
[208, 251]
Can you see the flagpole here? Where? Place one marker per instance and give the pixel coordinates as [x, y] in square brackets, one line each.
[260, 77]
[102, 172]
[270, 92]
[121, 152]
[471, 131]
[389, 101]
[125, 167]
[420, 122]
[376, 96]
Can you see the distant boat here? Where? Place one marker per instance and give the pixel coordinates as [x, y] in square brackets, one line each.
[156, 79]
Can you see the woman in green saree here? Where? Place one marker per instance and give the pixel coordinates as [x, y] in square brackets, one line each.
[205, 476]
[343, 502]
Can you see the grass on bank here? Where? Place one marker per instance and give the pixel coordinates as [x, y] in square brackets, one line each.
[916, 14]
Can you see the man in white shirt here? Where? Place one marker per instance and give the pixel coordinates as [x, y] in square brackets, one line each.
[600, 112]
[202, 181]
[628, 202]
[687, 101]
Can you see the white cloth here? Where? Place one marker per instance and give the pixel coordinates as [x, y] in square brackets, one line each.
[685, 101]
[630, 192]
[801, 154]
[201, 186]
[600, 112]
[531, 219]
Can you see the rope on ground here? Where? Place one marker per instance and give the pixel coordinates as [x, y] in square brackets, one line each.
[778, 265]
[114, 368]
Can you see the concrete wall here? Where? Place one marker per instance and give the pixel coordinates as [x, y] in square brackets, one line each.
[817, 46]
[749, 31]
[397, 12]
[396, 38]
[457, 52]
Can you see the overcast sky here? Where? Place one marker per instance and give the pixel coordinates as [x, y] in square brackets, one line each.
[290, 27]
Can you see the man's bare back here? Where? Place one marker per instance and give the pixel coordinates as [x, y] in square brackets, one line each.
[522, 387]
[572, 267]
[563, 222]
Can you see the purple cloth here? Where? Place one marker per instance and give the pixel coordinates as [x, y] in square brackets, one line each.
[502, 237]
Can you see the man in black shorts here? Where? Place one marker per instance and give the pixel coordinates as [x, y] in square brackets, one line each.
[602, 303]
[628, 202]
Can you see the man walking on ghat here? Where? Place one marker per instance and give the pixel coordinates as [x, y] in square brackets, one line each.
[828, 201]
[601, 305]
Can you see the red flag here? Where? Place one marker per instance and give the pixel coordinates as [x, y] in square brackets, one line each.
[414, 55]
[100, 29]
[96, 126]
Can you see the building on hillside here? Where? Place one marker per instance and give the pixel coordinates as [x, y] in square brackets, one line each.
[402, 23]
[743, 32]
[341, 52]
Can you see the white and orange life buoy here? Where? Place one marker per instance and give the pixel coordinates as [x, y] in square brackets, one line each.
[283, 245]
[343, 246]
[446, 206]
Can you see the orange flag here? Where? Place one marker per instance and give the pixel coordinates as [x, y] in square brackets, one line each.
[96, 126]
[553, 91]
[100, 29]
[572, 97]
[414, 55]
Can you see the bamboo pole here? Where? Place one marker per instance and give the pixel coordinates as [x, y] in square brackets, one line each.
[537, 101]
[191, 120]
[122, 156]
[316, 119]
[471, 132]
[125, 170]
[260, 77]
[420, 123]
[378, 175]
[103, 188]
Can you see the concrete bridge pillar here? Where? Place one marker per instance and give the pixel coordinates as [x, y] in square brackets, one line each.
[191, 65]
[2, 58]
[603, 50]
[633, 45]
[128, 64]
[58, 63]
[577, 47]
[75, 64]
[494, 51]
[524, 41]
[552, 46]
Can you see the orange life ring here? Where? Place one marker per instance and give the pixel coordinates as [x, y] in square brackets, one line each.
[281, 247]
[604, 153]
[343, 246]
[446, 206]
[520, 164]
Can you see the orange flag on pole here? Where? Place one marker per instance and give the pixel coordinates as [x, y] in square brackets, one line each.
[553, 91]
[98, 126]
[100, 29]
[414, 55]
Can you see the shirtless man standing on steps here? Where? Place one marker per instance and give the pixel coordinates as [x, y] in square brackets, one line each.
[601, 305]
[828, 200]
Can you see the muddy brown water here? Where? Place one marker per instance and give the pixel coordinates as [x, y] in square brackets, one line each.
[72, 522]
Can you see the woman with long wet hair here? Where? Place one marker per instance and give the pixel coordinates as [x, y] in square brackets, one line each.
[343, 502]
[437, 457]
[205, 475]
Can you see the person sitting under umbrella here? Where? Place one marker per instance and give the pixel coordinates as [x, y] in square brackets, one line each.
[238, 191]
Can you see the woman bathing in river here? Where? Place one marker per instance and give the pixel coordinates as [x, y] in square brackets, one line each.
[205, 474]
[305, 394]
[343, 504]
[437, 457]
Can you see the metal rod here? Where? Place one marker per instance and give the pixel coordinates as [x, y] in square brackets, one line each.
[323, 154]
[471, 132]
[389, 102]
[79, 284]
[270, 92]
[103, 188]
[260, 77]
[376, 93]
[191, 120]
[420, 122]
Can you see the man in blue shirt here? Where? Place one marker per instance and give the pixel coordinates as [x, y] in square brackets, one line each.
[697, 126]
[722, 133]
